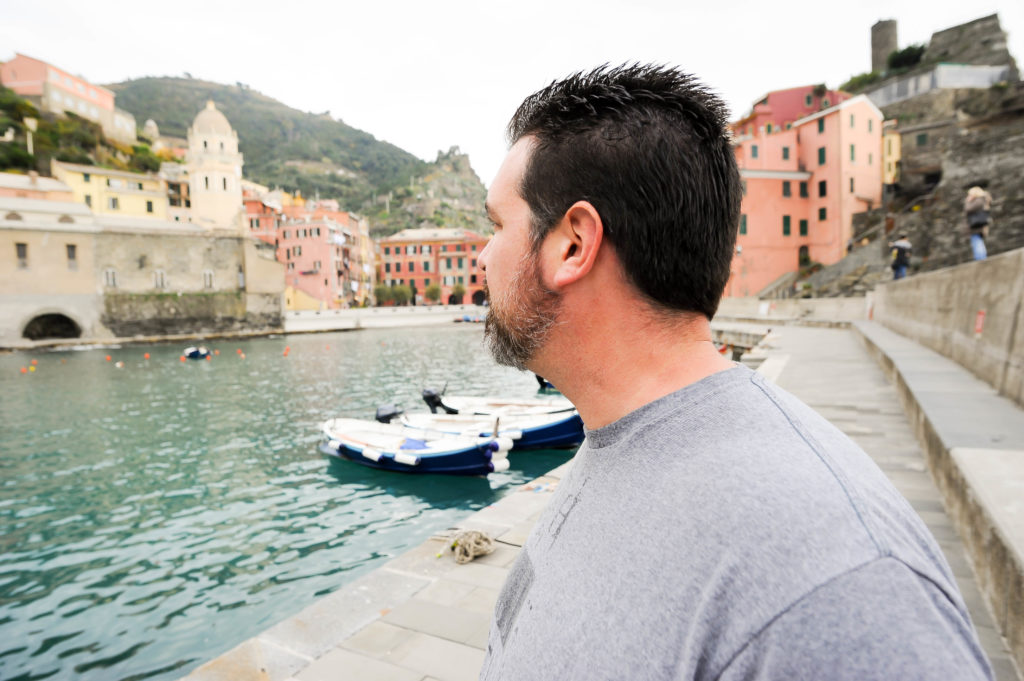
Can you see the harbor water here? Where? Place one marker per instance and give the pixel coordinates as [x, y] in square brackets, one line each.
[156, 514]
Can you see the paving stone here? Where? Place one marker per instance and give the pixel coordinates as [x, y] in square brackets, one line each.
[446, 592]
[480, 600]
[377, 639]
[345, 665]
[480, 575]
[252, 660]
[454, 624]
[440, 658]
[327, 622]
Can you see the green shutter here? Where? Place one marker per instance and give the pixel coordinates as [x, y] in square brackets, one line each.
[821, 213]
[785, 188]
[821, 125]
[803, 190]
[803, 228]
[785, 225]
[785, 153]
[743, 224]
[753, 151]
[821, 156]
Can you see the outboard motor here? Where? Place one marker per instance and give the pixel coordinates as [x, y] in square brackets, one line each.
[386, 412]
[433, 400]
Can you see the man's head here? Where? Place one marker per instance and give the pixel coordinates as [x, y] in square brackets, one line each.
[648, 147]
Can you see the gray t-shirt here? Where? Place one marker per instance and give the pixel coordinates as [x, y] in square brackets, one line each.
[727, 531]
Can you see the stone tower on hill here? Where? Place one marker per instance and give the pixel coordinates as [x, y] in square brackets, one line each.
[215, 171]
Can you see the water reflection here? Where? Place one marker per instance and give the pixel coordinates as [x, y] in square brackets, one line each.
[155, 516]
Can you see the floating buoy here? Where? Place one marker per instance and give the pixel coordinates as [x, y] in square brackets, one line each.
[209, 357]
[119, 365]
[24, 370]
[287, 349]
[108, 358]
[34, 362]
[327, 347]
[241, 355]
[145, 356]
[216, 352]
[183, 359]
[63, 361]
[238, 351]
[31, 368]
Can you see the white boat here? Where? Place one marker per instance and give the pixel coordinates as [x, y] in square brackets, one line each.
[502, 406]
[549, 430]
[396, 447]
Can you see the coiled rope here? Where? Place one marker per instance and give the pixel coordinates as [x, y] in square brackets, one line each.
[468, 544]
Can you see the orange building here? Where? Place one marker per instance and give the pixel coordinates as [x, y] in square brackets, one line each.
[420, 257]
[803, 181]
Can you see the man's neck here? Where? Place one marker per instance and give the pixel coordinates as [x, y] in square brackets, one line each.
[608, 369]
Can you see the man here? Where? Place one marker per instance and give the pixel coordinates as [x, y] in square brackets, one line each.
[900, 256]
[978, 207]
[712, 526]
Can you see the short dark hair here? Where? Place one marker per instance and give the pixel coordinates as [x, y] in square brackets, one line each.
[648, 146]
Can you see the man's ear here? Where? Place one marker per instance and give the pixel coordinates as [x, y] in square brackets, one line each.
[576, 242]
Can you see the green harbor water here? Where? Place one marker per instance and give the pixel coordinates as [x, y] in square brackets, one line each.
[155, 515]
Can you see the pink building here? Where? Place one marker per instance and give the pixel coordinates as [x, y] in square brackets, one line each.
[779, 109]
[55, 90]
[803, 181]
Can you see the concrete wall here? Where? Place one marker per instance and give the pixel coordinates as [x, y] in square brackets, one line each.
[941, 310]
[789, 309]
[300, 321]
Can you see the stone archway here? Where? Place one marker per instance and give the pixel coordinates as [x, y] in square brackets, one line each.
[53, 325]
[479, 297]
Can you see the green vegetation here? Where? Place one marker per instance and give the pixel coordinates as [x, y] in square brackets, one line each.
[458, 291]
[69, 138]
[432, 293]
[861, 82]
[382, 294]
[902, 60]
[401, 294]
[282, 146]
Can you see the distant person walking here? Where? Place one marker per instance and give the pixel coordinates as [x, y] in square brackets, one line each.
[900, 256]
[977, 206]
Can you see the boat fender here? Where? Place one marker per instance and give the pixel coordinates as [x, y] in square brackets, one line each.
[501, 444]
[407, 459]
[498, 466]
[372, 454]
[334, 444]
[512, 434]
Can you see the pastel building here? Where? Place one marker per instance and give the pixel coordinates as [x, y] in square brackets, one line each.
[55, 90]
[31, 186]
[420, 257]
[114, 192]
[804, 179]
[215, 171]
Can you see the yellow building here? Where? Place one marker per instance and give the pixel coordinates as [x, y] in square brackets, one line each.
[114, 192]
[891, 153]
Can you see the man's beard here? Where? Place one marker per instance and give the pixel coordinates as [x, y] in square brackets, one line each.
[520, 322]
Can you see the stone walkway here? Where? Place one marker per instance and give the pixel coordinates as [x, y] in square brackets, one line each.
[829, 370]
[421, 617]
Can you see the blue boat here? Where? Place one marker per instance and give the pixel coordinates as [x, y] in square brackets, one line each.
[526, 431]
[394, 447]
[194, 352]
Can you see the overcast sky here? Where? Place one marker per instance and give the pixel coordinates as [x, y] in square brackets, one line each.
[429, 75]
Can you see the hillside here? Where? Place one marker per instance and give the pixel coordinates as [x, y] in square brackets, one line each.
[283, 147]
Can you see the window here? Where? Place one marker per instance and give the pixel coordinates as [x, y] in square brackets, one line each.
[412, 267]
[462, 263]
[316, 266]
[472, 279]
[426, 282]
[743, 224]
[222, 146]
[88, 200]
[297, 250]
[205, 145]
[785, 188]
[808, 100]
[159, 279]
[803, 190]
[768, 128]
[138, 185]
[851, 185]
[803, 228]
[458, 247]
[743, 187]
[448, 263]
[206, 179]
[284, 235]
[207, 278]
[870, 125]
[72, 251]
[474, 248]
[387, 249]
[822, 214]
[224, 180]
[825, 103]
[851, 121]
[112, 203]
[853, 153]
[86, 177]
[398, 267]
[387, 267]
[785, 153]
[870, 158]
[410, 250]
[425, 250]
[444, 248]
[753, 151]
[822, 188]
[21, 250]
[821, 125]
[149, 206]
[821, 156]
[785, 225]
[110, 277]
[472, 263]
[287, 254]
[426, 265]
[922, 139]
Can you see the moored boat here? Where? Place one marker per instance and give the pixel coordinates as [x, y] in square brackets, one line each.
[526, 431]
[200, 352]
[392, 446]
[467, 404]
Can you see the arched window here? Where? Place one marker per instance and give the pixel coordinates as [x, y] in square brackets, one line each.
[110, 277]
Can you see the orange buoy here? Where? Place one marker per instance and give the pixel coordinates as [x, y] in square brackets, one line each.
[34, 362]
[145, 356]
[216, 352]
[182, 358]
[108, 358]
[238, 351]
[241, 355]
[209, 357]
[24, 370]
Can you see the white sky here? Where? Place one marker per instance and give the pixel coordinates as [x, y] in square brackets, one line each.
[431, 74]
